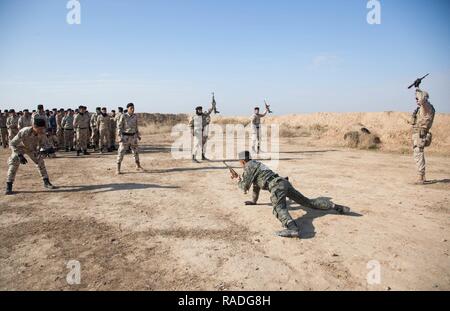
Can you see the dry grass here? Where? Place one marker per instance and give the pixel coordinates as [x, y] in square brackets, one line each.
[330, 129]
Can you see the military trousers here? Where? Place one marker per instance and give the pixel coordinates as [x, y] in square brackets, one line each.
[82, 139]
[68, 139]
[14, 163]
[126, 142]
[281, 189]
[4, 136]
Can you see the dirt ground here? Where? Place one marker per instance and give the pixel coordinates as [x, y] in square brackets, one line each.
[183, 226]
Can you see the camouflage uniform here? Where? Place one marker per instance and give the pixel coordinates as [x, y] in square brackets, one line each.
[59, 129]
[12, 123]
[103, 125]
[116, 121]
[26, 143]
[262, 178]
[24, 122]
[112, 131]
[128, 132]
[199, 128]
[422, 121]
[81, 124]
[95, 132]
[256, 130]
[3, 129]
[67, 127]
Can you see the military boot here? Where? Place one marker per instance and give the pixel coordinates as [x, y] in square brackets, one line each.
[343, 210]
[48, 184]
[9, 186]
[118, 172]
[78, 152]
[139, 167]
[194, 160]
[204, 158]
[292, 231]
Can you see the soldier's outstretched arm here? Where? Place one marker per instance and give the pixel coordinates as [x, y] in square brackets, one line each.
[255, 195]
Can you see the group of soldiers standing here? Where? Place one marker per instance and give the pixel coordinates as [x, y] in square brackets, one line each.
[42, 133]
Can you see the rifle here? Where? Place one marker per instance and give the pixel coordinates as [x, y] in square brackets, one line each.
[267, 107]
[214, 104]
[417, 83]
[232, 171]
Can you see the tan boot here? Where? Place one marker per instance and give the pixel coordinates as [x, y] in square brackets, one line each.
[118, 172]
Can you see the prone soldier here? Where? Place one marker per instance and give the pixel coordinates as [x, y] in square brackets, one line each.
[262, 178]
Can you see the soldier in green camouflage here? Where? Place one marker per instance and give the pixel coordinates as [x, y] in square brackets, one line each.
[262, 178]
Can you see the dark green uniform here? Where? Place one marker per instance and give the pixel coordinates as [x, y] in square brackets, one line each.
[262, 178]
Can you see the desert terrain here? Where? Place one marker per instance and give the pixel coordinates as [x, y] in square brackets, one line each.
[183, 226]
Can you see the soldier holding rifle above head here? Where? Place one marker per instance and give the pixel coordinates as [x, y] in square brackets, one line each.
[421, 121]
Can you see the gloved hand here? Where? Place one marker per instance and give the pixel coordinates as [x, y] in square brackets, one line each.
[47, 151]
[250, 203]
[22, 159]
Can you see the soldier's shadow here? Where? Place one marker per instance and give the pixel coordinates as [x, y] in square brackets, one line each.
[306, 222]
[102, 188]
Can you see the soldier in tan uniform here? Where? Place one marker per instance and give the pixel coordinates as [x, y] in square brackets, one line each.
[59, 128]
[68, 133]
[199, 129]
[94, 128]
[25, 120]
[104, 126]
[112, 130]
[128, 131]
[28, 141]
[116, 119]
[422, 121]
[12, 123]
[81, 125]
[40, 114]
[3, 128]
[256, 128]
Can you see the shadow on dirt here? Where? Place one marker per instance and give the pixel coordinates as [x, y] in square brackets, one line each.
[101, 188]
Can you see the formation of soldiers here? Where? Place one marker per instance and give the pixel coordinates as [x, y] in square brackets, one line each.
[42, 132]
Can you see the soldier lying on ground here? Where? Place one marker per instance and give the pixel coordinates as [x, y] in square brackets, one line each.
[262, 178]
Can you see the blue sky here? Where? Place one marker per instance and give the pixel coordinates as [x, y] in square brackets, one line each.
[168, 56]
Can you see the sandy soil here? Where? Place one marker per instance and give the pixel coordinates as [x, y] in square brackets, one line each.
[181, 226]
